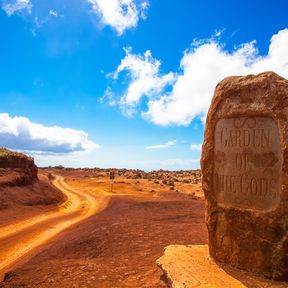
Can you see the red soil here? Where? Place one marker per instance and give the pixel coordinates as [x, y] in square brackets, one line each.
[118, 247]
[20, 202]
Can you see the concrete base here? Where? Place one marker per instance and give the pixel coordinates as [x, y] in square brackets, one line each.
[191, 266]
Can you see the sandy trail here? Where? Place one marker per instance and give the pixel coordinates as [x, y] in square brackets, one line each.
[19, 240]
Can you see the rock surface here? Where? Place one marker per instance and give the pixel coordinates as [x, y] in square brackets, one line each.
[245, 174]
[191, 266]
[16, 169]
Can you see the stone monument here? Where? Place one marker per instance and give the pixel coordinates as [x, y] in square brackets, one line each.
[245, 174]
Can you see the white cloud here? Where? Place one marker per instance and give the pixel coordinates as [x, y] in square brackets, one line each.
[196, 147]
[202, 67]
[20, 133]
[161, 146]
[120, 14]
[53, 13]
[145, 77]
[109, 97]
[11, 7]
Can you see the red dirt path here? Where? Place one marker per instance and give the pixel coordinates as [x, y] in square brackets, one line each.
[118, 247]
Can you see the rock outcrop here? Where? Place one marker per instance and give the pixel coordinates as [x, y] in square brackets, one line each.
[16, 169]
[245, 174]
[192, 267]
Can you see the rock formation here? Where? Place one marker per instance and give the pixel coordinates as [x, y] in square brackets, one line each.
[245, 174]
[16, 168]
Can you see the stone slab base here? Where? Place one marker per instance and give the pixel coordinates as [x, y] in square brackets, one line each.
[191, 266]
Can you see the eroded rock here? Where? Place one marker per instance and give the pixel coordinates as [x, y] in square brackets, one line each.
[245, 174]
[16, 169]
[192, 267]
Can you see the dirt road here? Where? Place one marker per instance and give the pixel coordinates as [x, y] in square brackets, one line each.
[20, 240]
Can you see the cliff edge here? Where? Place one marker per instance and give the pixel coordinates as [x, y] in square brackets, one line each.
[16, 169]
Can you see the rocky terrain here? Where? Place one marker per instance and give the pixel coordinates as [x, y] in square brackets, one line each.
[119, 246]
[24, 192]
[16, 169]
[140, 214]
[183, 181]
[162, 177]
[190, 266]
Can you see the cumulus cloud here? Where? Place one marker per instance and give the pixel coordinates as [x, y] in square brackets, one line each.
[20, 133]
[11, 7]
[196, 147]
[120, 14]
[161, 146]
[202, 66]
[145, 78]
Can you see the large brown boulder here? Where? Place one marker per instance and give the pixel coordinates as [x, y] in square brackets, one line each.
[16, 168]
[245, 174]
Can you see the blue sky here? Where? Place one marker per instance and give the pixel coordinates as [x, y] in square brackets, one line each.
[126, 83]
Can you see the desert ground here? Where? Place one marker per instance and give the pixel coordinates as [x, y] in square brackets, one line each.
[63, 227]
[90, 233]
